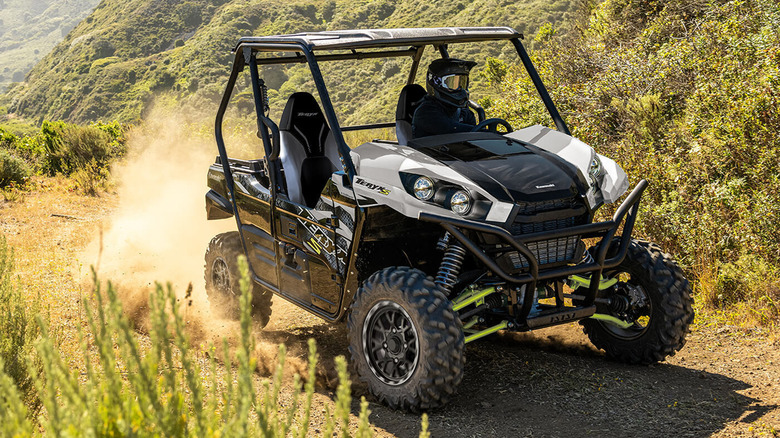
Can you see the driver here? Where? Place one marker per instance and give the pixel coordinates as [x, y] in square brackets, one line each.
[444, 109]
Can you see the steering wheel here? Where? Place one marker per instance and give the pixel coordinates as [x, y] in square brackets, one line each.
[491, 125]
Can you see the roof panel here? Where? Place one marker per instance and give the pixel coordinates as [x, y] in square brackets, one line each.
[368, 38]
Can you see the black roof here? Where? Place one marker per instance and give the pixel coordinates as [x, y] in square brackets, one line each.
[377, 38]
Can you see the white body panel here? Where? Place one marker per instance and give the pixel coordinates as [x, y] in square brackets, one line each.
[612, 182]
[378, 179]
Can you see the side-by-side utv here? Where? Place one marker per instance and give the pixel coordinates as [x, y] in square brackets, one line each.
[423, 245]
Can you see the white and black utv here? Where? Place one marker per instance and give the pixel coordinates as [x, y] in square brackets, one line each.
[424, 245]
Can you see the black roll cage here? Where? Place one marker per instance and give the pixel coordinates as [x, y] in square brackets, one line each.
[353, 45]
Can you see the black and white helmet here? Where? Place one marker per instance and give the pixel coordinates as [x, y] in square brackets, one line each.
[448, 80]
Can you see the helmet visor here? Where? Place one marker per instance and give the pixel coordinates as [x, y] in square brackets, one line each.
[455, 82]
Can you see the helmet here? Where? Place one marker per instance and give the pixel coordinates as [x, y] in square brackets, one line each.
[448, 80]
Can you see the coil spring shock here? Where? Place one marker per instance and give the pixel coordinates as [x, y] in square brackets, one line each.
[450, 266]
[587, 257]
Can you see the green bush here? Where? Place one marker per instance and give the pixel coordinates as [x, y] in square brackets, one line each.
[13, 170]
[71, 147]
[128, 391]
[18, 331]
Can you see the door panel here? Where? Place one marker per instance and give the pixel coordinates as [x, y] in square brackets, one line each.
[254, 212]
[307, 245]
[260, 253]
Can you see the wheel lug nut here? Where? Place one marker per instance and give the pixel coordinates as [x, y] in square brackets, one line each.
[384, 345]
[395, 360]
[393, 329]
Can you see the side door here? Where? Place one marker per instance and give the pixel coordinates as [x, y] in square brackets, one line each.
[309, 269]
[253, 199]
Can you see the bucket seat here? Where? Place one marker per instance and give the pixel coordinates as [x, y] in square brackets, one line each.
[307, 149]
[410, 98]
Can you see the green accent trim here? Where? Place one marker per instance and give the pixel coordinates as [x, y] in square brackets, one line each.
[609, 319]
[470, 323]
[486, 332]
[471, 296]
[580, 281]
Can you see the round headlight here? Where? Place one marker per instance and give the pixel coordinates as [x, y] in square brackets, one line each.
[460, 202]
[423, 188]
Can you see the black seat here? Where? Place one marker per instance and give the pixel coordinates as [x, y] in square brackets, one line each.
[306, 149]
[410, 98]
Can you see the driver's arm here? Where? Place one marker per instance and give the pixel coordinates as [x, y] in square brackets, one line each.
[433, 121]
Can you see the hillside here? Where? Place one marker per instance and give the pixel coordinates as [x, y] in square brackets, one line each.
[29, 29]
[132, 54]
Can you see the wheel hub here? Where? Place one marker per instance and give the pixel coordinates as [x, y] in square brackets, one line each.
[220, 275]
[390, 343]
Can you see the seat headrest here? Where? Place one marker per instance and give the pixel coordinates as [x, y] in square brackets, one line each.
[410, 97]
[303, 118]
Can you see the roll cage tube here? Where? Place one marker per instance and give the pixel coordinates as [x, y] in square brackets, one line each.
[238, 66]
[540, 88]
[330, 114]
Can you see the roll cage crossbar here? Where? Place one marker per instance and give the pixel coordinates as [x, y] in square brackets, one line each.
[313, 48]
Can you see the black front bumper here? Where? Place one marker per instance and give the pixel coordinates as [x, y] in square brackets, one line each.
[605, 231]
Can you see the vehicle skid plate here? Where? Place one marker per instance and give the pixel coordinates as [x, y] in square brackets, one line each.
[605, 231]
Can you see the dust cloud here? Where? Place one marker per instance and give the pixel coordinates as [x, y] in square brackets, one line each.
[159, 233]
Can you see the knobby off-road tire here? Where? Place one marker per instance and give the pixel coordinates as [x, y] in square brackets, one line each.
[646, 270]
[405, 340]
[222, 281]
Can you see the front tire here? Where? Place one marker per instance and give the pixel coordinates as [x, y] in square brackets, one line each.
[222, 281]
[656, 299]
[405, 340]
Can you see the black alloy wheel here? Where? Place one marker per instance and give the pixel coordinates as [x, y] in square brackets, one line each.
[391, 347]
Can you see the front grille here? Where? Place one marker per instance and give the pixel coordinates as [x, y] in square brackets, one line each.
[550, 225]
[527, 208]
[538, 217]
[559, 250]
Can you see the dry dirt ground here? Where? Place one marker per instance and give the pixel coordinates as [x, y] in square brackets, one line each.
[725, 381]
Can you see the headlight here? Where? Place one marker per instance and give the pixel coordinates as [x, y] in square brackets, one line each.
[423, 188]
[595, 169]
[460, 202]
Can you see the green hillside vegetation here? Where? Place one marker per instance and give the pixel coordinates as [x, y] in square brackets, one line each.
[29, 29]
[130, 55]
[84, 153]
[686, 95]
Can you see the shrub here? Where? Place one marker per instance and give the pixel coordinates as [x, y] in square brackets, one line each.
[71, 147]
[18, 331]
[92, 178]
[127, 391]
[13, 170]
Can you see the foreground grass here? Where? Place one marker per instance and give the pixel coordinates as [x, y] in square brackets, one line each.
[127, 390]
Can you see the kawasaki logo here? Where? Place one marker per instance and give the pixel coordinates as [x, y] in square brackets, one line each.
[546, 186]
[371, 186]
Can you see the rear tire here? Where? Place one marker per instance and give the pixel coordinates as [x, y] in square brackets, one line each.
[661, 307]
[405, 340]
[222, 281]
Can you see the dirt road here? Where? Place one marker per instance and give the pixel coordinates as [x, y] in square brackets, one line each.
[553, 383]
